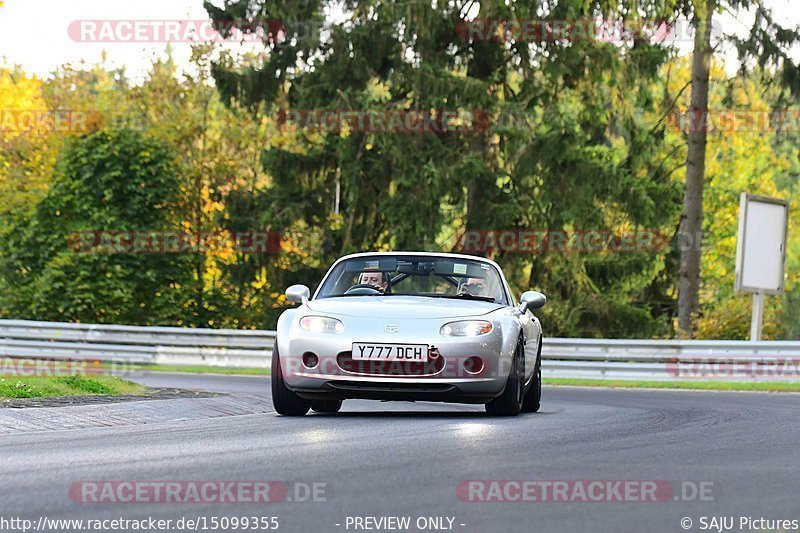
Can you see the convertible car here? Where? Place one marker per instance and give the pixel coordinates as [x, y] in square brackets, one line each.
[409, 326]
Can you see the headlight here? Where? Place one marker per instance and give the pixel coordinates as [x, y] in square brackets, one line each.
[321, 324]
[466, 328]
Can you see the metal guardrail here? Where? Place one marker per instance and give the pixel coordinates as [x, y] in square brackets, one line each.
[136, 344]
[666, 360]
[568, 358]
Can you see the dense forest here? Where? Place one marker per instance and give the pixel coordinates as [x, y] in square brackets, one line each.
[316, 142]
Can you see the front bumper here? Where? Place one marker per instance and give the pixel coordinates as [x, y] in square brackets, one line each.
[345, 390]
[451, 382]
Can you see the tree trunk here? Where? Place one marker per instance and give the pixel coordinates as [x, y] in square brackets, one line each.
[692, 218]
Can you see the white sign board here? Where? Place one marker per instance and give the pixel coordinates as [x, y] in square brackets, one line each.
[761, 250]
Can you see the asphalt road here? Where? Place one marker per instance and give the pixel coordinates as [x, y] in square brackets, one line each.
[407, 459]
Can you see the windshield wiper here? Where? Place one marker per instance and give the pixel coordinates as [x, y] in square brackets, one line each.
[467, 296]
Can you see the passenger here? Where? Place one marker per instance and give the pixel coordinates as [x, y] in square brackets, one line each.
[476, 287]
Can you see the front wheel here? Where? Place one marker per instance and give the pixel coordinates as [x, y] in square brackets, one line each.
[510, 402]
[285, 401]
[533, 399]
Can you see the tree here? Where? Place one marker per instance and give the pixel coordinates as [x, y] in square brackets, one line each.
[27, 150]
[745, 154]
[218, 151]
[768, 43]
[548, 157]
[692, 218]
[105, 181]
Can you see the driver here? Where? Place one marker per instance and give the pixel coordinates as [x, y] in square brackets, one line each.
[379, 280]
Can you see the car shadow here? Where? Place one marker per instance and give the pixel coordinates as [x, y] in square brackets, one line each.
[406, 414]
[425, 414]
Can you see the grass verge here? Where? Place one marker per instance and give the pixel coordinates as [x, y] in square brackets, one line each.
[772, 386]
[74, 385]
[28, 387]
[199, 369]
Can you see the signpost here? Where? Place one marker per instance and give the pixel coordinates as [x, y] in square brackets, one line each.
[761, 252]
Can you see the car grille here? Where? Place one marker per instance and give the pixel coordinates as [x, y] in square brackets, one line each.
[389, 368]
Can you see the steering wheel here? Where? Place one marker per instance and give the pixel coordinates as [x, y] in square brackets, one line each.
[363, 289]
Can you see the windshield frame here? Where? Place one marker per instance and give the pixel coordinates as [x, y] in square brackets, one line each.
[506, 292]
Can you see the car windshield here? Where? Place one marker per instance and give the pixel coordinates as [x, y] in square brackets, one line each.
[430, 276]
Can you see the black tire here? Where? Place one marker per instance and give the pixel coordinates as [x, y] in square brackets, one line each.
[533, 399]
[285, 401]
[510, 402]
[326, 406]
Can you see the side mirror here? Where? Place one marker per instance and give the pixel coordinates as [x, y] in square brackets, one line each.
[298, 294]
[531, 300]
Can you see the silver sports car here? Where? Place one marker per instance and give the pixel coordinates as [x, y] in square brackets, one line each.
[409, 326]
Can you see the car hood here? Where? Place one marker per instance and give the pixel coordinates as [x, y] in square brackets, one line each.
[401, 307]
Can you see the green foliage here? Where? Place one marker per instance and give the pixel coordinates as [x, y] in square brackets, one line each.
[11, 387]
[70, 385]
[84, 384]
[558, 153]
[105, 181]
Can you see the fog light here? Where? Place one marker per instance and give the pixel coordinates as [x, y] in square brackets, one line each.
[310, 360]
[473, 365]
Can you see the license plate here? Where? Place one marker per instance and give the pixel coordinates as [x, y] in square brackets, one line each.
[390, 352]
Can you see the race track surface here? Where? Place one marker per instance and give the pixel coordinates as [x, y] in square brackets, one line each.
[408, 459]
